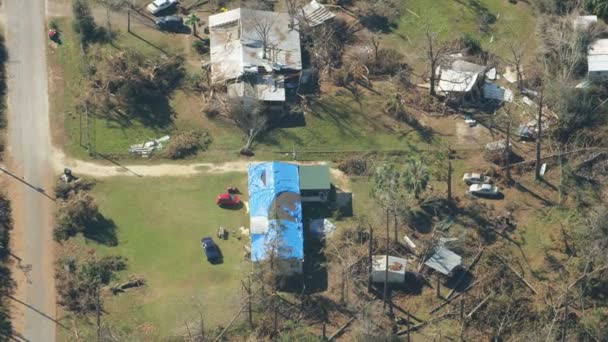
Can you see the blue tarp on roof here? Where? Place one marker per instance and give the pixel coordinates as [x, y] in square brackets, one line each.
[275, 209]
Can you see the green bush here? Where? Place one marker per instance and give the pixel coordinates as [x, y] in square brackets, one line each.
[84, 23]
[472, 44]
[201, 46]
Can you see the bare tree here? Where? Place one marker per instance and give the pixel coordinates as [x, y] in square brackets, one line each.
[539, 127]
[435, 53]
[517, 49]
[250, 118]
[263, 26]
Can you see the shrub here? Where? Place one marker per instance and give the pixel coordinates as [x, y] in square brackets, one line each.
[188, 143]
[74, 215]
[65, 190]
[380, 15]
[387, 62]
[355, 166]
[84, 23]
[472, 44]
[201, 46]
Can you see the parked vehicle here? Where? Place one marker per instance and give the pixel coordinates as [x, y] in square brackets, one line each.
[158, 5]
[170, 23]
[476, 178]
[484, 190]
[210, 249]
[227, 200]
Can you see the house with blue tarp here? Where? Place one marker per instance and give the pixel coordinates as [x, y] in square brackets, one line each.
[275, 208]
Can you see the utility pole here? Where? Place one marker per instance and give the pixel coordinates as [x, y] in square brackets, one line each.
[449, 179]
[508, 152]
[385, 297]
[370, 257]
[129, 19]
[538, 133]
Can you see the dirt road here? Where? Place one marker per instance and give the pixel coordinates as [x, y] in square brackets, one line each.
[29, 150]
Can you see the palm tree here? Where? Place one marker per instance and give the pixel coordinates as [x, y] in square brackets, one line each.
[193, 20]
[416, 177]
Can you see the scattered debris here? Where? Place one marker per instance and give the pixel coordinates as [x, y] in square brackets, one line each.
[443, 260]
[133, 281]
[491, 74]
[145, 149]
[470, 121]
[583, 85]
[322, 227]
[409, 242]
[315, 14]
[510, 75]
[527, 101]
[543, 169]
[497, 146]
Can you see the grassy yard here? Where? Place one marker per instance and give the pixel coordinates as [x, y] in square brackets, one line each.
[159, 224]
[337, 121]
[453, 18]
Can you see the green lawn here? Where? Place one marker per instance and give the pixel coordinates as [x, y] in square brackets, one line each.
[159, 224]
[452, 19]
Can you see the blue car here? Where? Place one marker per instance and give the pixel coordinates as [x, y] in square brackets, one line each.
[211, 250]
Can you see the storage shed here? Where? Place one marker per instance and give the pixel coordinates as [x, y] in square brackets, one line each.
[314, 183]
[597, 60]
[397, 268]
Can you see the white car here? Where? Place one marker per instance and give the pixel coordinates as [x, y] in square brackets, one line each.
[158, 5]
[476, 178]
[484, 190]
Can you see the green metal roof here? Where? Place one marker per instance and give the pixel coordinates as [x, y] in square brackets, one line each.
[314, 177]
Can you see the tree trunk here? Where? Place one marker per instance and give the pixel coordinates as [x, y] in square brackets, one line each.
[194, 29]
[370, 257]
[508, 153]
[395, 226]
[432, 79]
[449, 180]
[98, 312]
[538, 134]
[384, 295]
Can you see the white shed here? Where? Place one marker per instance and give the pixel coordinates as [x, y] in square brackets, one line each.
[396, 269]
[597, 60]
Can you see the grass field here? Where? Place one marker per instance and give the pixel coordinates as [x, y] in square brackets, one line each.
[159, 224]
[453, 18]
[338, 121]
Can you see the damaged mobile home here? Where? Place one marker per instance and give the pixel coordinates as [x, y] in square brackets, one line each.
[255, 53]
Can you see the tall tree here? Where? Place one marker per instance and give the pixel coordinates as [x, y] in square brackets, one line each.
[416, 177]
[436, 51]
[539, 127]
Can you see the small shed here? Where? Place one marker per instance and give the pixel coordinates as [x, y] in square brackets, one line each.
[597, 60]
[582, 22]
[314, 183]
[443, 260]
[396, 269]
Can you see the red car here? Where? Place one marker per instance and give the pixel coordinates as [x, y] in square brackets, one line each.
[227, 200]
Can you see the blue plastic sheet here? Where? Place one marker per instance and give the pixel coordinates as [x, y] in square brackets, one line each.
[274, 193]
